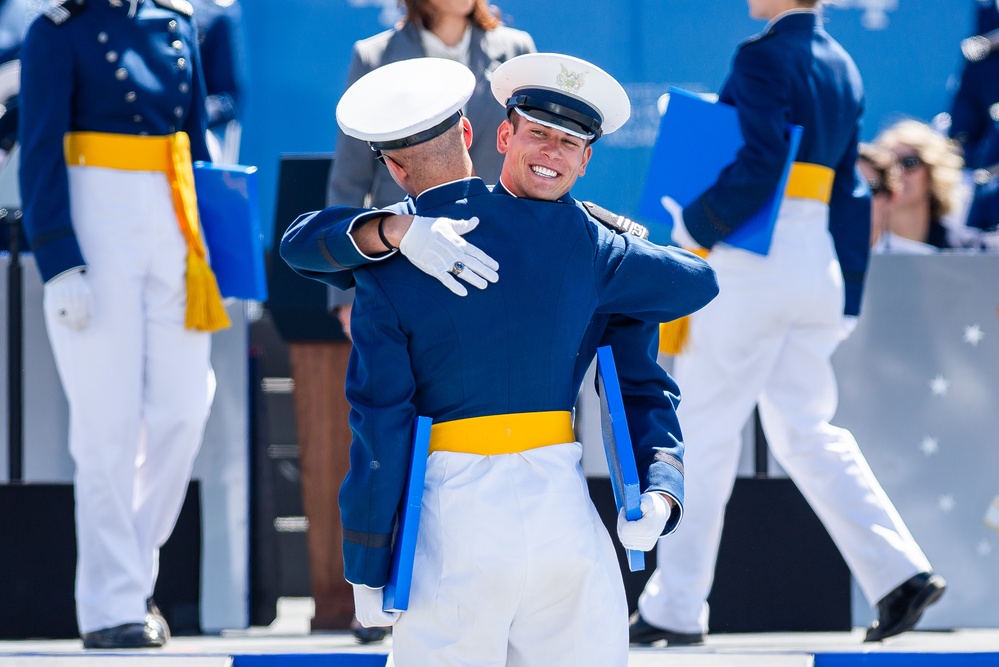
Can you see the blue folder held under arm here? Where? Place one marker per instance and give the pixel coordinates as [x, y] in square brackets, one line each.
[697, 140]
[618, 447]
[230, 217]
[396, 594]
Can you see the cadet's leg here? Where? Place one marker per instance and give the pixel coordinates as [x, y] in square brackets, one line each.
[829, 468]
[734, 341]
[101, 372]
[573, 610]
[176, 391]
[470, 566]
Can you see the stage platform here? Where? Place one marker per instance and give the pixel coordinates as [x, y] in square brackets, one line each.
[286, 643]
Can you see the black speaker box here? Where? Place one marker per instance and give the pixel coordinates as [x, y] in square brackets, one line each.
[778, 570]
[38, 564]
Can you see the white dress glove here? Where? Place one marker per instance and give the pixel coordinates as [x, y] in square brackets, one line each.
[848, 324]
[679, 233]
[368, 608]
[67, 298]
[435, 246]
[642, 534]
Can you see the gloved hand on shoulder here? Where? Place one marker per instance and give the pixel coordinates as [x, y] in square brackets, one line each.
[436, 247]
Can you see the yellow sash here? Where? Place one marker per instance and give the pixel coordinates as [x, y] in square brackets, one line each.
[171, 155]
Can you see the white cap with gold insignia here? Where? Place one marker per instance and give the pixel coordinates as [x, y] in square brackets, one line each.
[405, 103]
[563, 92]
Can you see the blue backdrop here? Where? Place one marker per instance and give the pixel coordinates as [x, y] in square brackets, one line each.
[298, 52]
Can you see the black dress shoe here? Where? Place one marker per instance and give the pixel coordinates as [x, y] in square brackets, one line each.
[127, 635]
[900, 610]
[155, 618]
[367, 635]
[642, 632]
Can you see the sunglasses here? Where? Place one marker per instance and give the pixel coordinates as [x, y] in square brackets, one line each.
[381, 157]
[910, 162]
[877, 188]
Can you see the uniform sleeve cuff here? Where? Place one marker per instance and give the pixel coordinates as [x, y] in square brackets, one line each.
[360, 220]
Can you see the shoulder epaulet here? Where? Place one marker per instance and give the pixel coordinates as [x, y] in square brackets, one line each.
[61, 11]
[180, 6]
[615, 222]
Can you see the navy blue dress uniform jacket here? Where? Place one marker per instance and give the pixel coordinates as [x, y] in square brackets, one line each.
[356, 178]
[650, 394]
[514, 347]
[793, 74]
[977, 92]
[100, 71]
[221, 46]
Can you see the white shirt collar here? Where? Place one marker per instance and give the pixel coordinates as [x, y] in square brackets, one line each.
[435, 48]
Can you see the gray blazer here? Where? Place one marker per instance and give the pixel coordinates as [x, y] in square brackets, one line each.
[357, 178]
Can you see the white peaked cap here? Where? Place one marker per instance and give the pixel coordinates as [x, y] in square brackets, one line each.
[406, 102]
[562, 91]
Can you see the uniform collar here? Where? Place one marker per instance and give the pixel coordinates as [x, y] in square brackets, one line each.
[500, 189]
[794, 19]
[448, 193]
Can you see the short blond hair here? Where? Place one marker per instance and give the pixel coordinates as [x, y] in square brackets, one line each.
[942, 157]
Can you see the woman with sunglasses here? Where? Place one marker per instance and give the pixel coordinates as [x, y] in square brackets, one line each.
[931, 188]
[881, 170]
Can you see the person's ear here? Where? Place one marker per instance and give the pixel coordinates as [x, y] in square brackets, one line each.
[466, 128]
[503, 134]
[587, 152]
[398, 173]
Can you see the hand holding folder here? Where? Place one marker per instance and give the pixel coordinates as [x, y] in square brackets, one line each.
[396, 594]
[697, 140]
[617, 445]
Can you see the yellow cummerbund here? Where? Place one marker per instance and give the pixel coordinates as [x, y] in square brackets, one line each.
[502, 434]
[810, 181]
[119, 151]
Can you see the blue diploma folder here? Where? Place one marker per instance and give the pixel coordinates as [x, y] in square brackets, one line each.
[617, 445]
[697, 140]
[396, 593]
[230, 217]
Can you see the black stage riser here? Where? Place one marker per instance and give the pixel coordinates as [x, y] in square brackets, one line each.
[777, 570]
[38, 564]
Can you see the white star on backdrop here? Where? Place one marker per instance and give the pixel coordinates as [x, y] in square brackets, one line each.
[946, 503]
[939, 385]
[984, 548]
[973, 334]
[929, 446]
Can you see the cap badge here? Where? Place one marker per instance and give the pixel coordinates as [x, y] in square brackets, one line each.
[569, 82]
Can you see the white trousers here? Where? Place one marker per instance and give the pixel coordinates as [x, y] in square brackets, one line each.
[768, 338]
[138, 386]
[513, 568]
